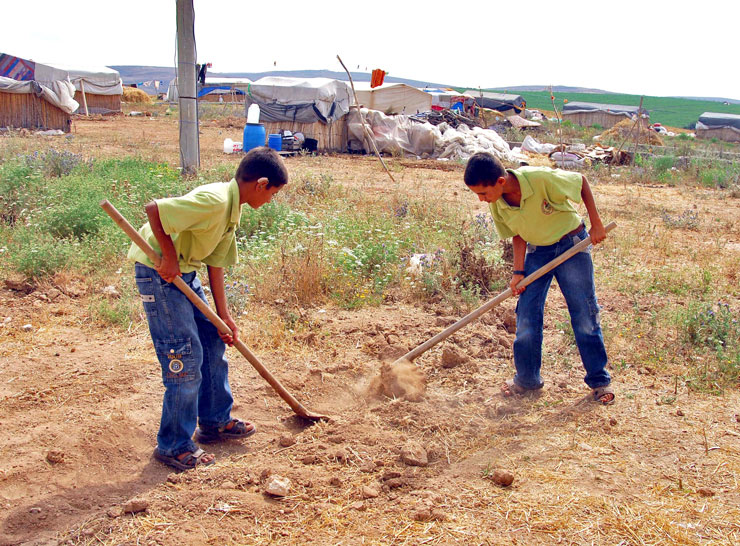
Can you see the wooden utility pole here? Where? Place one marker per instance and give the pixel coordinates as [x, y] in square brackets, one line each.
[186, 78]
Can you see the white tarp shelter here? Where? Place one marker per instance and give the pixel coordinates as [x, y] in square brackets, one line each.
[393, 98]
[95, 80]
[304, 100]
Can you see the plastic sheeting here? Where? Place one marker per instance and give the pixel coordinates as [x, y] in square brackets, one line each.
[573, 107]
[97, 81]
[59, 93]
[302, 100]
[399, 133]
[714, 120]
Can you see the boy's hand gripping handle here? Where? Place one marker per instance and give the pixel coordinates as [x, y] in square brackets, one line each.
[134, 235]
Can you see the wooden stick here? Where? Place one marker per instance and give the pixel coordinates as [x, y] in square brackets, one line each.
[490, 304]
[639, 128]
[368, 132]
[84, 99]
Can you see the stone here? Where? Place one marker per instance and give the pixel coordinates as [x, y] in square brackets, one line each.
[422, 514]
[286, 440]
[395, 482]
[680, 412]
[228, 485]
[359, 506]
[134, 506]
[705, 492]
[115, 512]
[413, 454]
[510, 322]
[503, 478]
[452, 359]
[111, 292]
[369, 492]
[55, 456]
[278, 486]
[27, 327]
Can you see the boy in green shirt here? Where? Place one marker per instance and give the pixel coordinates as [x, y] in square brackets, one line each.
[533, 205]
[188, 231]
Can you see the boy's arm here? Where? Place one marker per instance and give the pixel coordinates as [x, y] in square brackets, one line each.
[216, 279]
[169, 268]
[597, 231]
[520, 249]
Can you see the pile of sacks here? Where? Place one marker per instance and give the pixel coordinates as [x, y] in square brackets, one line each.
[401, 135]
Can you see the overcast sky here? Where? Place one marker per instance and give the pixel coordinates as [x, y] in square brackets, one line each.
[662, 48]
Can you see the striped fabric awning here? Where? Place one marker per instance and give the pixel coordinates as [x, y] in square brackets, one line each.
[16, 68]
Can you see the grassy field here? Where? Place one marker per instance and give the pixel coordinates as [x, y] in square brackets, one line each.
[673, 112]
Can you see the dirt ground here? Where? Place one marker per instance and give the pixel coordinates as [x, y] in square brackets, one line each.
[81, 404]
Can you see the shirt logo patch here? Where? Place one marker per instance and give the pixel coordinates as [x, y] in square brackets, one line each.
[176, 366]
[547, 207]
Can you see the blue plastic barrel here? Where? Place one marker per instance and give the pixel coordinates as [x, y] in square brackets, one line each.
[254, 136]
[275, 141]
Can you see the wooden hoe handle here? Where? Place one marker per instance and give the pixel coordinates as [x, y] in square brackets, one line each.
[444, 334]
[134, 235]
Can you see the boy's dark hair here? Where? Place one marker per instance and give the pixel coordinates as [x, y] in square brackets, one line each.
[483, 169]
[262, 162]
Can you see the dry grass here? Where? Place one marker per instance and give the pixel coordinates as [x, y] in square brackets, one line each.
[136, 96]
[626, 129]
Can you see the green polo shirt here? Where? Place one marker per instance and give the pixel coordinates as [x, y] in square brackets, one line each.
[545, 213]
[201, 224]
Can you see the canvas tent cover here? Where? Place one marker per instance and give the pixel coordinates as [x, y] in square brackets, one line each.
[397, 98]
[302, 100]
[501, 102]
[18, 75]
[59, 93]
[715, 120]
[96, 80]
[574, 107]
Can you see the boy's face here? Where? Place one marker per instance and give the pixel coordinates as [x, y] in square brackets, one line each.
[489, 193]
[260, 194]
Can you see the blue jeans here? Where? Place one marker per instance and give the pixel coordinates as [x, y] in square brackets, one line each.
[575, 277]
[191, 353]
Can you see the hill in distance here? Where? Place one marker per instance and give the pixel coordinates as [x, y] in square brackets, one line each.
[135, 74]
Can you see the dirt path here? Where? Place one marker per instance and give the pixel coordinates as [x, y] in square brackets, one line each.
[81, 405]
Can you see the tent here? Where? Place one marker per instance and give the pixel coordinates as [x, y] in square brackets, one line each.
[717, 125]
[27, 103]
[306, 100]
[606, 115]
[315, 107]
[501, 102]
[98, 89]
[393, 98]
[215, 89]
[224, 89]
[444, 98]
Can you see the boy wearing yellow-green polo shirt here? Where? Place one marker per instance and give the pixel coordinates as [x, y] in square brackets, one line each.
[533, 205]
[189, 231]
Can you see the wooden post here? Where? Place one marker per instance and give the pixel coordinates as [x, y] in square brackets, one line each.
[84, 99]
[639, 128]
[186, 87]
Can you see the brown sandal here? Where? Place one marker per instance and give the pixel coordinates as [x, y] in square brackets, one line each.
[191, 460]
[603, 395]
